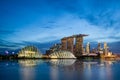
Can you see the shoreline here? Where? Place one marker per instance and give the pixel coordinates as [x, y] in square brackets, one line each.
[103, 57]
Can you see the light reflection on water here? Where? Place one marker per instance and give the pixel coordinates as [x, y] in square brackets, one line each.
[60, 69]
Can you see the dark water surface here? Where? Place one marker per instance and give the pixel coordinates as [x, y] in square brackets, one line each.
[65, 69]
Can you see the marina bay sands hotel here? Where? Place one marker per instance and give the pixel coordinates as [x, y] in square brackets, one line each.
[73, 44]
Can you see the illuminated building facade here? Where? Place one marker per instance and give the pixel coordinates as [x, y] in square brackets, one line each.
[79, 46]
[88, 48]
[105, 48]
[79, 50]
[55, 47]
[29, 52]
[62, 54]
[64, 43]
[70, 44]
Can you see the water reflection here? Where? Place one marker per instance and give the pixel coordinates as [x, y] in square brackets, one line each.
[60, 69]
[82, 70]
[106, 70]
[71, 69]
[29, 62]
[60, 65]
[62, 62]
[27, 68]
[27, 73]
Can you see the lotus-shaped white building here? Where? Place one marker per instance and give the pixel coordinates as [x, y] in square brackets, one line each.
[62, 54]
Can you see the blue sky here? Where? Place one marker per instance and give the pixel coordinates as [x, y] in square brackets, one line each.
[44, 21]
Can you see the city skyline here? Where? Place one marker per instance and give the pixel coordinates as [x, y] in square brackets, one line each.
[25, 22]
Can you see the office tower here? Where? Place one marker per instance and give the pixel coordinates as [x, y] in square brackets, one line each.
[70, 44]
[99, 47]
[88, 48]
[105, 48]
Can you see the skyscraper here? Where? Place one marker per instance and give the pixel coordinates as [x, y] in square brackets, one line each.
[88, 48]
[99, 47]
[105, 48]
[64, 43]
[79, 45]
[70, 44]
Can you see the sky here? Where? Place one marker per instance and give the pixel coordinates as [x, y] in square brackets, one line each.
[24, 22]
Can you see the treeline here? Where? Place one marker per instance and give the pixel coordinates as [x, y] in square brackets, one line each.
[11, 56]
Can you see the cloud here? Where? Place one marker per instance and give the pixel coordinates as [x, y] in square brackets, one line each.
[65, 25]
[47, 20]
[4, 44]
